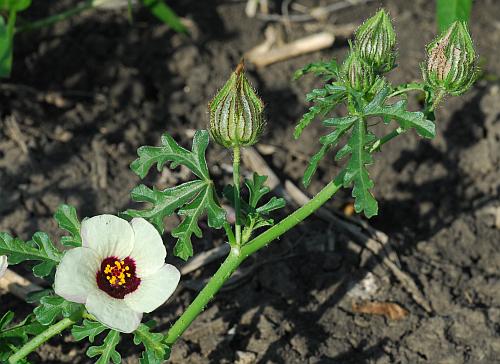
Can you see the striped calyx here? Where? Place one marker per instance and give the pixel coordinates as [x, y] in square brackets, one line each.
[358, 73]
[375, 41]
[236, 112]
[451, 62]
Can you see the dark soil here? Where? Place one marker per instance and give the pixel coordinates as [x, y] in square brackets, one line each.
[87, 92]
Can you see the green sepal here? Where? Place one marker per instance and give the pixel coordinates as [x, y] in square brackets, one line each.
[107, 351]
[53, 307]
[40, 248]
[67, 219]
[89, 329]
[156, 351]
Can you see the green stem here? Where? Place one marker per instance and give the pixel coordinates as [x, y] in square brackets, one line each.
[237, 256]
[376, 146]
[56, 17]
[227, 268]
[236, 182]
[38, 340]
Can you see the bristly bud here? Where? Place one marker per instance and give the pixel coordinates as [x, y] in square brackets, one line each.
[375, 41]
[357, 72]
[451, 62]
[236, 112]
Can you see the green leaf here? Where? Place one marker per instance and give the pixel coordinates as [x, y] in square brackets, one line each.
[156, 350]
[163, 12]
[204, 201]
[6, 319]
[191, 199]
[40, 248]
[398, 112]
[36, 296]
[275, 203]
[330, 69]
[89, 329]
[6, 40]
[172, 152]
[20, 333]
[335, 92]
[341, 125]
[67, 219]
[449, 11]
[165, 202]
[53, 307]
[256, 188]
[107, 351]
[16, 5]
[356, 170]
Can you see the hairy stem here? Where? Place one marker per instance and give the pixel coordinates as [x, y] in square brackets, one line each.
[236, 182]
[38, 340]
[237, 256]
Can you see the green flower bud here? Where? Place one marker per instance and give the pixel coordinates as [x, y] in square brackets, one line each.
[236, 112]
[451, 62]
[357, 72]
[375, 41]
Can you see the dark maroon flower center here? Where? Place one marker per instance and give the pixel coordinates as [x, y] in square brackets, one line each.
[117, 277]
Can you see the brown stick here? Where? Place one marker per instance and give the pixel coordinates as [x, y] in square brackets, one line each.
[16, 284]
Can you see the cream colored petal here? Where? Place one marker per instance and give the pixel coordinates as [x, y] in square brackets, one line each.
[154, 290]
[108, 236]
[3, 265]
[113, 312]
[75, 275]
[149, 252]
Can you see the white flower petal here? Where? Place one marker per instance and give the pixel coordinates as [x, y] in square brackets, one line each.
[75, 275]
[3, 264]
[154, 290]
[113, 312]
[108, 235]
[149, 252]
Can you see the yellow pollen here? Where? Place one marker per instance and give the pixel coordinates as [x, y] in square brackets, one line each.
[116, 274]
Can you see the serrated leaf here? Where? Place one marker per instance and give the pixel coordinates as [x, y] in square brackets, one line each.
[357, 173]
[204, 201]
[156, 351]
[275, 203]
[20, 333]
[107, 351]
[256, 188]
[89, 329]
[398, 112]
[40, 248]
[172, 152]
[67, 219]
[330, 69]
[165, 202]
[342, 125]
[323, 105]
[191, 199]
[53, 307]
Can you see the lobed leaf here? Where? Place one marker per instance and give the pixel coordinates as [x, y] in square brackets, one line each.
[107, 351]
[40, 248]
[398, 112]
[67, 219]
[89, 329]
[342, 125]
[53, 307]
[330, 69]
[356, 171]
[156, 351]
[172, 152]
